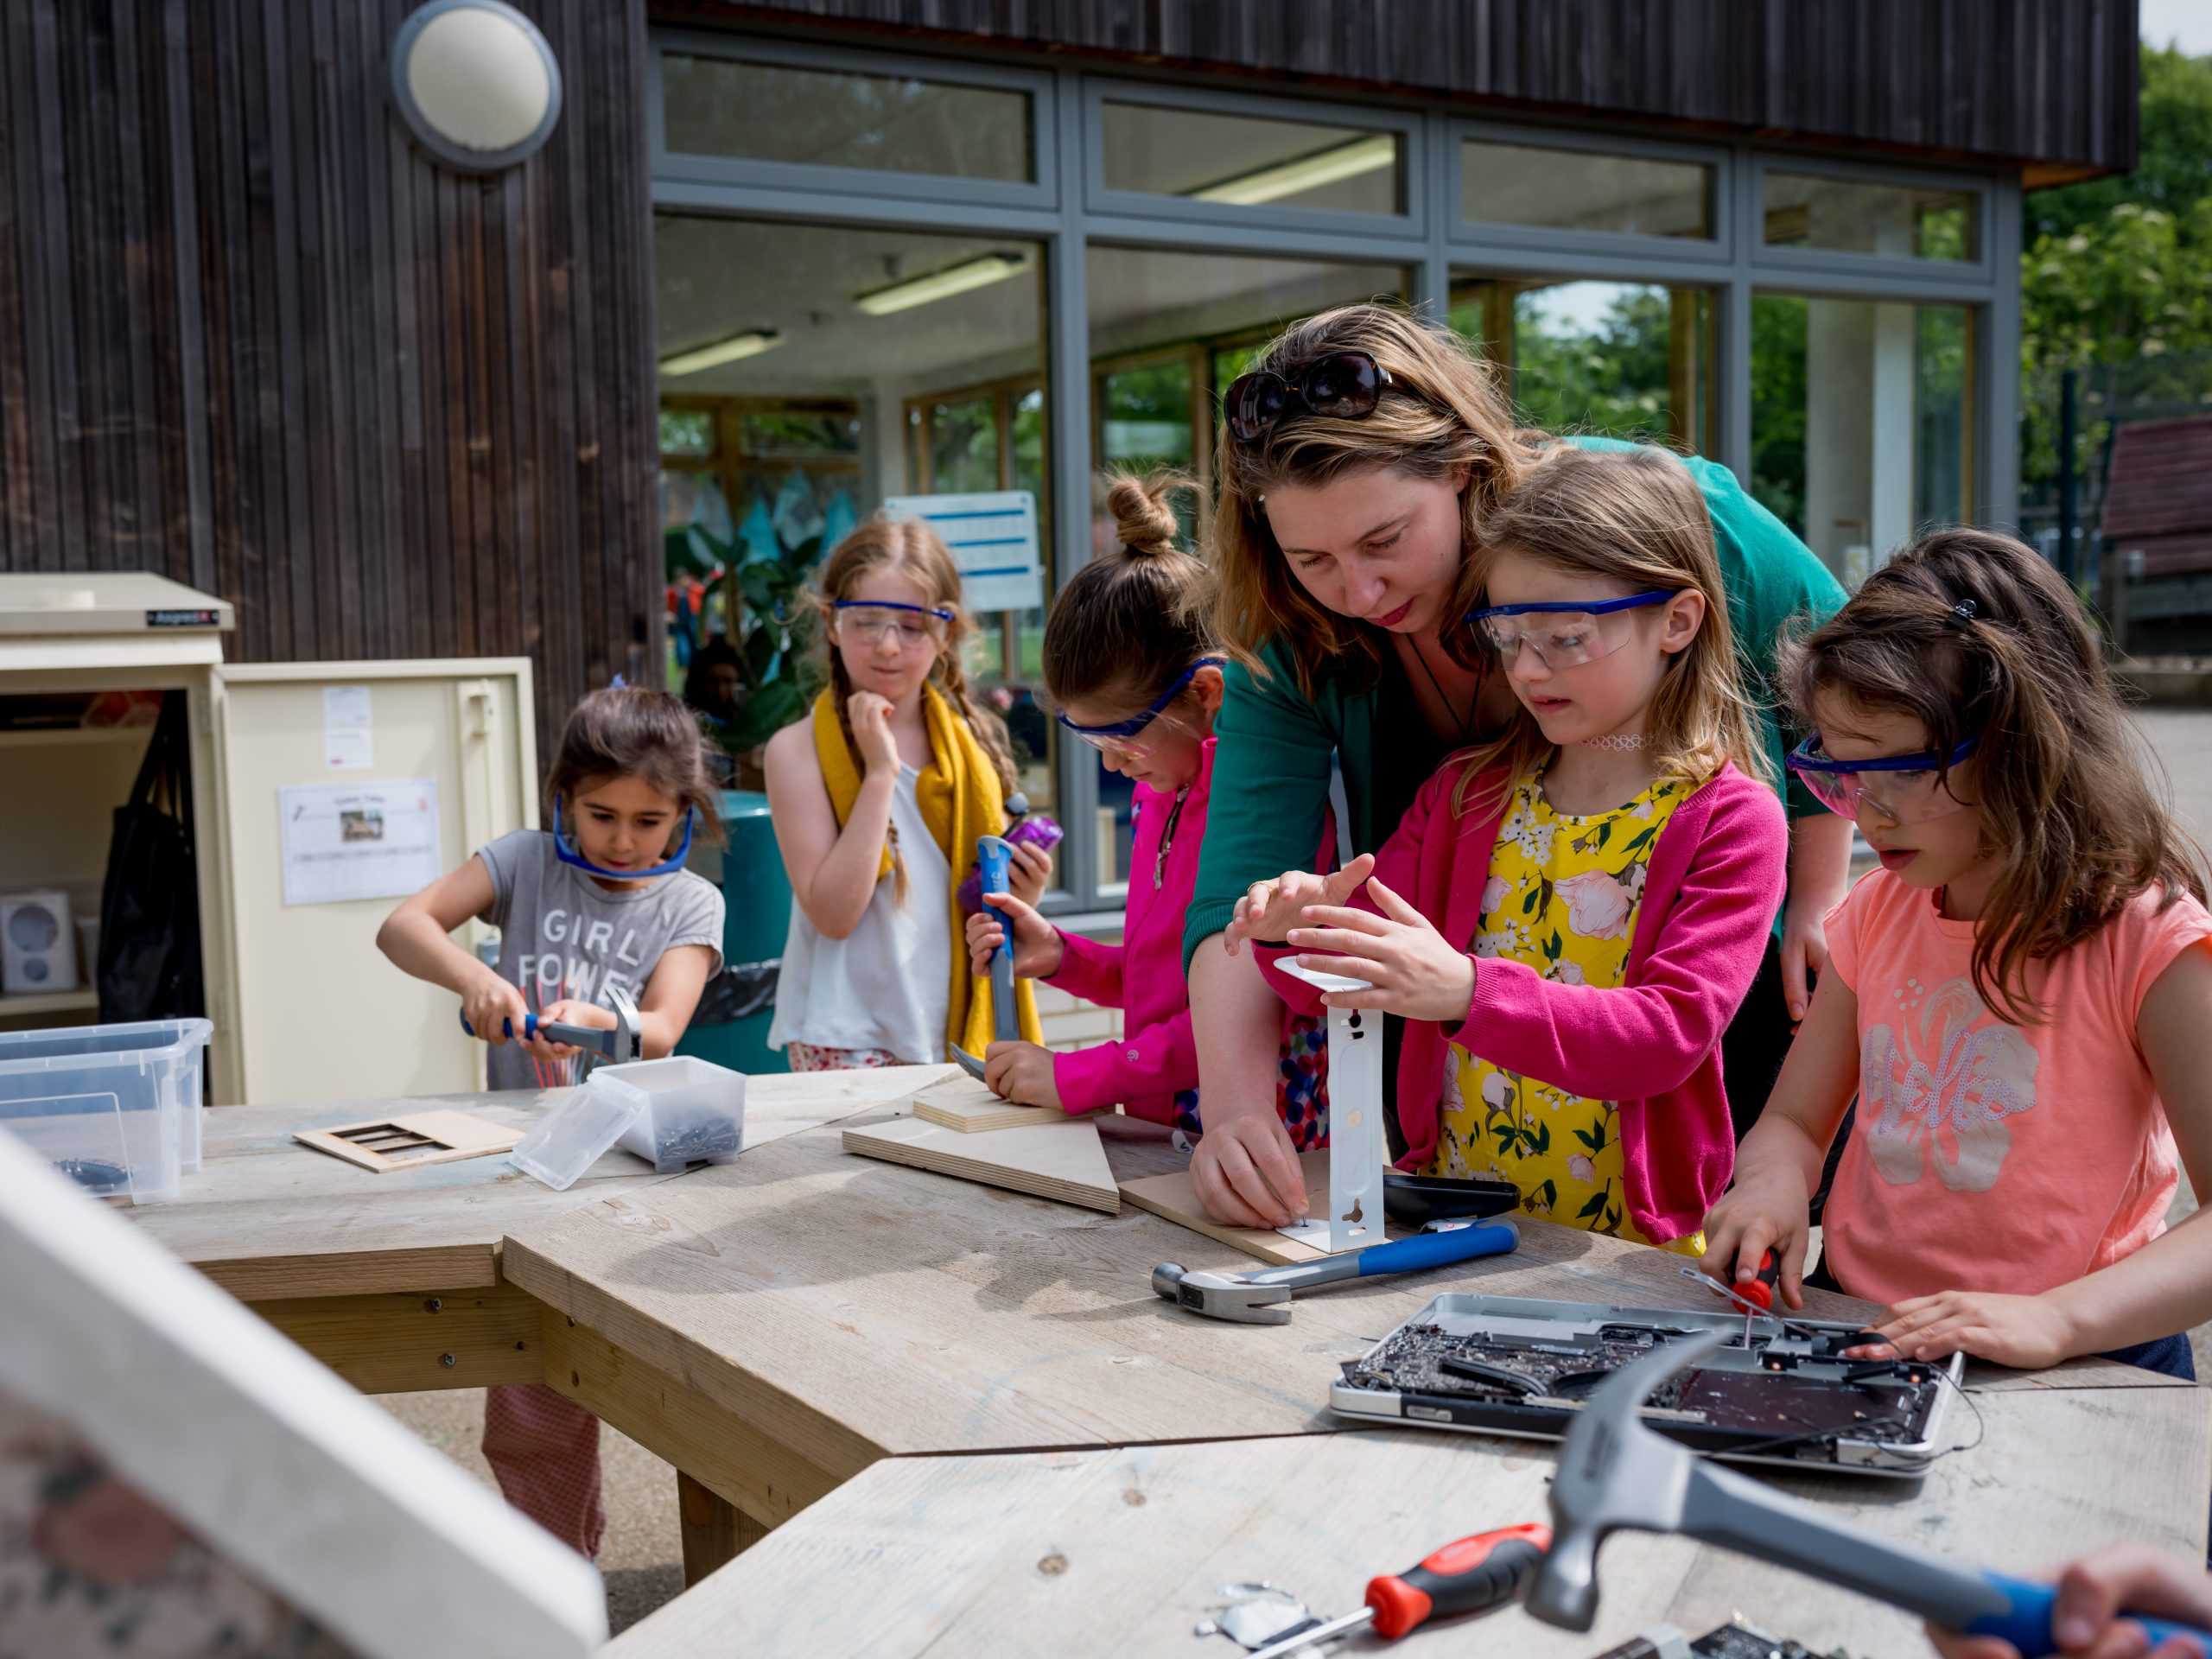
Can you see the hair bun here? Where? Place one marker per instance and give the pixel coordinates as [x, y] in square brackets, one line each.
[1143, 522]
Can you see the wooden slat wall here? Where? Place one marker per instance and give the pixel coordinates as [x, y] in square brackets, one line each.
[252, 339]
[2048, 84]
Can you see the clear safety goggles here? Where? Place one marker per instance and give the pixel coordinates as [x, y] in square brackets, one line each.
[1902, 788]
[915, 625]
[1119, 736]
[1564, 633]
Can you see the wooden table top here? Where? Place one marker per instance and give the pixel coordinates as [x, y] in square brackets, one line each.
[268, 1218]
[1120, 1552]
[854, 1309]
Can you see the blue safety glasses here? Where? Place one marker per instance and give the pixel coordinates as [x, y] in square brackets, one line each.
[1903, 788]
[565, 849]
[870, 619]
[1564, 633]
[1118, 733]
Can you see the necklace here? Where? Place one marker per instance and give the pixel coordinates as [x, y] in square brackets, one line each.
[1619, 742]
[1167, 838]
[1421, 657]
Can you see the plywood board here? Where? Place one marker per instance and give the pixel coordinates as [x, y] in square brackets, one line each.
[974, 1110]
[409, 1139]
[1062, 1161]
[272, 1463]
[1172, 1198]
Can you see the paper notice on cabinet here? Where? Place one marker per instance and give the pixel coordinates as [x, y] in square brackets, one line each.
[360, 841]
[348, 733]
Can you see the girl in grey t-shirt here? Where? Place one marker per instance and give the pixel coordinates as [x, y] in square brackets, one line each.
[603, 899]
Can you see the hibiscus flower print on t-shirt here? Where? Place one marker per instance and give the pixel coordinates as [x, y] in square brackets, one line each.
[1561, 898]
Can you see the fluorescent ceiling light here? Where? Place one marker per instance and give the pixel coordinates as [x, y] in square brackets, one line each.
[942, 284]
[1307, 173]
[751, 343]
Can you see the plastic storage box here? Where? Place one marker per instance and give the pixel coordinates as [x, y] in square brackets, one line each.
[695, 1110]
[575, 1134]
[117, 1108]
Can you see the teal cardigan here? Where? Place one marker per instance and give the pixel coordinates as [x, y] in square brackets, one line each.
[1271, 766]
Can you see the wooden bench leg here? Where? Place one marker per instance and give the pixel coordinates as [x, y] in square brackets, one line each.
[715, 1530]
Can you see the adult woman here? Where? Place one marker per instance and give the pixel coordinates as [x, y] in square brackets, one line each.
[1355, 463]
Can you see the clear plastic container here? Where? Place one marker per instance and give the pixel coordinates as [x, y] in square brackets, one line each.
[695, 1112]
[576, 1134]
[116, 1108]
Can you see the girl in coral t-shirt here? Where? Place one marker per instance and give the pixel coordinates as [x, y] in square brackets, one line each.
[2019, 997]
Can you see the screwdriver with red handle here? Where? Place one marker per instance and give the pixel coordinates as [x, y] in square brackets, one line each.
[1759, 1290]
[1472, 1576]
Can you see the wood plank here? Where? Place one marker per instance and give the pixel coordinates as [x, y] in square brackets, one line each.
[1120, 1552]
[1172, 1198]
[968, 1106]
[267, 1219]
[1062, 1161]
[469, 1338]
[713, 1528]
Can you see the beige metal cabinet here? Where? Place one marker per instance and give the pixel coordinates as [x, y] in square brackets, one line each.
[304, 1006]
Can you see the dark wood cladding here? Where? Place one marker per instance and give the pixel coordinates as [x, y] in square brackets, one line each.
[250, 339]
[2048, 85]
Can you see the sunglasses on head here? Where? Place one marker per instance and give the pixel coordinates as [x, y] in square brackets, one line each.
[1119, 732]
[1343, 385]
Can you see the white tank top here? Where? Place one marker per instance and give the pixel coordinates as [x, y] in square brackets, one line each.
[887, 983]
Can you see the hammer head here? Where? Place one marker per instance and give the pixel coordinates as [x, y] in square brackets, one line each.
[627, 1040]
[1613, 1473]
[1223, 1295]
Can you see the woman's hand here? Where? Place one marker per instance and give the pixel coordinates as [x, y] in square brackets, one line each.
[1269, 909]
[1411, 969]
[1029, 872]
[1768, 1209]
[1247, 1173]
[1021, 1072]
[2087, 1619]
[2026, 1332]
[1037, 947]
[491, 1006]
[878, 744]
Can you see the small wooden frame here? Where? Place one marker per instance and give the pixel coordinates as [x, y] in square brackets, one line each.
[408, 1142]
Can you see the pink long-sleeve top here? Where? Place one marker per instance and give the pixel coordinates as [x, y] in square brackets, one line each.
[1143, 975]
[1652, 1044]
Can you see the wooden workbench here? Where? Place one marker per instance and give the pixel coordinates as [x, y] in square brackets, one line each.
[953, 1356]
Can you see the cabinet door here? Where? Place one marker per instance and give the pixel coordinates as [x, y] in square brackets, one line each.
[342, 787]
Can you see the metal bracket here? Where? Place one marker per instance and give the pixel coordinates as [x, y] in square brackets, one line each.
[1356, 1147]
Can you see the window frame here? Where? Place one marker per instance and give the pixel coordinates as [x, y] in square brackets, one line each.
[1979, 272]
[1487, 235]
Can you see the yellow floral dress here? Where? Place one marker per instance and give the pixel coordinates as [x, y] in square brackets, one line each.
[1561, 898]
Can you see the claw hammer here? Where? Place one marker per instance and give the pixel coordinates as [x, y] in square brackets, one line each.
[1264, 1297]
[626, 1042]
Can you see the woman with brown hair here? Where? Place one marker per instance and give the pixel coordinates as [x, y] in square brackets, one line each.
[1358, 461]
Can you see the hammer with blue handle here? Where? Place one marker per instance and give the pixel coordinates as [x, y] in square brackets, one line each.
[1264, 1297]
[1615, 1473]
[995, 859]
[625, 1043]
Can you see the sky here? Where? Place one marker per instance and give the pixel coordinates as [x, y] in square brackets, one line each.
[2185, 23]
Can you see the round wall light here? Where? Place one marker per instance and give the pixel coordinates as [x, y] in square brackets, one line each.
[476, 84]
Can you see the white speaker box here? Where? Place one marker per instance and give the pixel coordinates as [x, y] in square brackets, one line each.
[38, 943]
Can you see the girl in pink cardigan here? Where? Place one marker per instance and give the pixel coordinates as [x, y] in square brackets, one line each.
[1129, 661]
[1569, 916]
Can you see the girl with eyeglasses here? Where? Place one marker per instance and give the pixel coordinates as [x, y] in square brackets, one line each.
[2019, 997]
[878, 800]
[1570, 912]
[1356, 465]
[1131, 662]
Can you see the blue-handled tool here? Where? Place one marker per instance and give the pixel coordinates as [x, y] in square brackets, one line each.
[623, 1044]
[1615, 1472]
[994, 860]
[1264, 1297]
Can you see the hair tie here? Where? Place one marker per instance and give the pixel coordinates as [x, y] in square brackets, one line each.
[1961, 613]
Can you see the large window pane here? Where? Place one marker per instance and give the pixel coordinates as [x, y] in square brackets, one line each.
[1843, 216]
[1581, 190]
[1861, 417]
[1248, 162]
[832, 367]
[894, 123]
[1624, 359]
[1168, 333]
